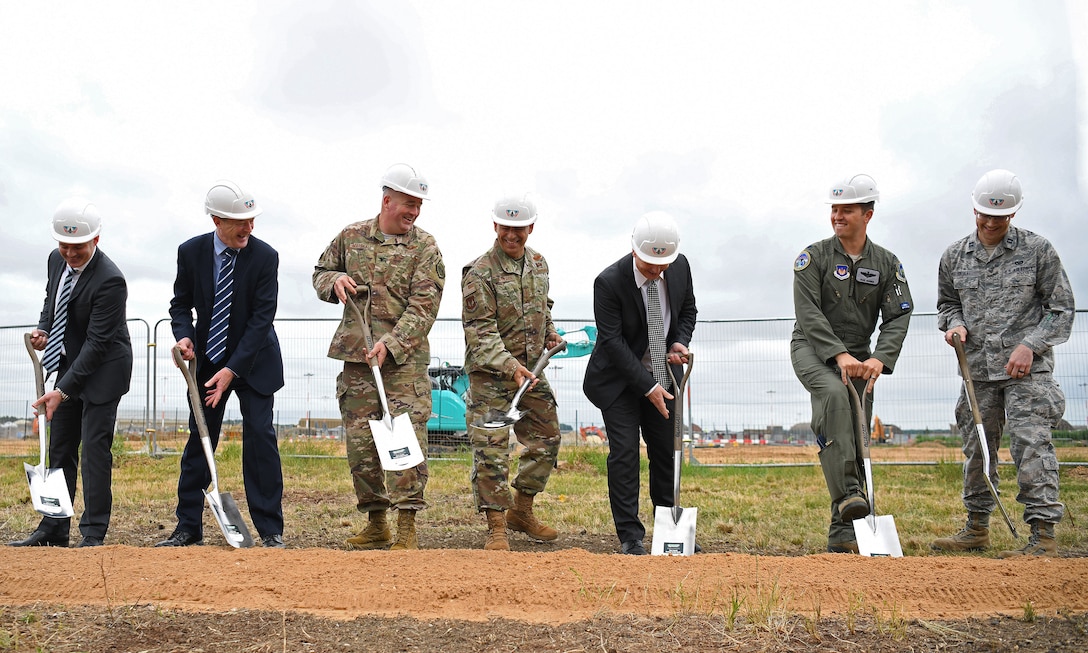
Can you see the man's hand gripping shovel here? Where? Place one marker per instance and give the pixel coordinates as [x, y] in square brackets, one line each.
[224, 508]
[876, 536]
[674, 527]
[495, 419]
[969, 388]
[48, 487]
[394, 437]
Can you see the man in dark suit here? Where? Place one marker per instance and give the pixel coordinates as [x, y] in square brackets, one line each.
[83, 332]
[620, 377]
[241, 357]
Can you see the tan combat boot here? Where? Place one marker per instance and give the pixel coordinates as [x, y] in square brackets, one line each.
[1041, 543]
[406, 531]
[496, 531]
[974, 536]
[521, 518]
[376, 535]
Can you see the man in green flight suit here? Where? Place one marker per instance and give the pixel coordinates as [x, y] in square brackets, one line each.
[841, 286]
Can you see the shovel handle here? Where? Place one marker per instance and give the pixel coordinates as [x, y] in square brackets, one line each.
[39, 373]
[863, 437]
[188, 370]
[972, 401]
[678, 406]
[537, 369]
[368, 337]
[965, 372]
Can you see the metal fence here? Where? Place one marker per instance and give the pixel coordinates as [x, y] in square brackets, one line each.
[742, 378]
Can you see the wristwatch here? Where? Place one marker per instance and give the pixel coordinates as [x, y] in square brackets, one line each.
[63, 395]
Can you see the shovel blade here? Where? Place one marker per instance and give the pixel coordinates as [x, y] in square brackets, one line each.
[49, 491]
[398, 448]
[674, 537]
[877, 537]
[229, 518]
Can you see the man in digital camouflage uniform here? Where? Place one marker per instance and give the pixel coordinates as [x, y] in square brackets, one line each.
[841, 285]
[1006, 294]
[401, 267]
[508, 325]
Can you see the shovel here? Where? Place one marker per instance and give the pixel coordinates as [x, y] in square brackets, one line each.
[876, 536]
[394, 437]
[495, 419]
[222, 504]
[674, 527]
[969, 386]
[48, 487]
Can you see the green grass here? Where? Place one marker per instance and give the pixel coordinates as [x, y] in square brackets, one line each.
[764, 510]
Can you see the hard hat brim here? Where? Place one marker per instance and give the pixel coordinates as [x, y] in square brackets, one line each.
[657, 260]
[989, 210]
[75, 240]
[235, 216]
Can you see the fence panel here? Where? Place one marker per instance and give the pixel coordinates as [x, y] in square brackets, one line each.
[742, 378]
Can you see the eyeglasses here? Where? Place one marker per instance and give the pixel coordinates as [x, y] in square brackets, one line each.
[997, 219]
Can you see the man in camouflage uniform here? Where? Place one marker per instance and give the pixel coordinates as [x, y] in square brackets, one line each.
[400, 266]
[1006, 294]
[841, 285]
[508, 325]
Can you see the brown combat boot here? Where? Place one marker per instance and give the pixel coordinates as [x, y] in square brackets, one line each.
[974, 536]
[376, 535]
[521, 518]
[496, 531]
[1041, 543]
[406, 531]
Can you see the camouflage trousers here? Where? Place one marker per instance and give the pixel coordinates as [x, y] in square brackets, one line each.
[409, 392]
[833, 420]
[1028, 408]
[537, 432]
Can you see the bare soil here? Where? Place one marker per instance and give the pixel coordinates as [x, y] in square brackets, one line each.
[576, 594]
[550, 597]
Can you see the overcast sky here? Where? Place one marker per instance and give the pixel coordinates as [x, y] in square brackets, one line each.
[735, 117]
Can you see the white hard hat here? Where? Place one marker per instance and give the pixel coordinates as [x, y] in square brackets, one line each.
[858, 189]
[656, 240]
[76, 221]
[515, 211]
[998, 193]
[404, 178]
[227, 200]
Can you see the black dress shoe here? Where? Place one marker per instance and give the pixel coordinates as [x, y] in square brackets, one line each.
[274, 541]
[181, 538]
[90, 541]
[634, 548]
[698, 549]
[42, 538]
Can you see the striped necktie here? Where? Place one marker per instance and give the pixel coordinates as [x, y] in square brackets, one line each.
[657, 334]
[217, 334]
[51, 359]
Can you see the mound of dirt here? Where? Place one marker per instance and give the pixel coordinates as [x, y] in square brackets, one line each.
[557, 587]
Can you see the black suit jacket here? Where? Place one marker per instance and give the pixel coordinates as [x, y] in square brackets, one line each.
[622, 337]
[253, 350]
[96, 341]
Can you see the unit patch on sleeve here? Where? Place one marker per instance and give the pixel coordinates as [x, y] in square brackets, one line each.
[803, 259]
[899, 273]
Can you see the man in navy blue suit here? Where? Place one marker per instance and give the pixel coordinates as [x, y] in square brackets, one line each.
[236, 350]
[620, 376]
[92, 355]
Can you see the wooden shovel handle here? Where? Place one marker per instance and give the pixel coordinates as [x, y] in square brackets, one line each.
[363, 317]
[188, 370]
[965, 372]
[39, 373]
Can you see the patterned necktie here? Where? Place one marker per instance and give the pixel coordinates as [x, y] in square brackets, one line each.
[217, 334]
[657, 334]
[51, 359]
